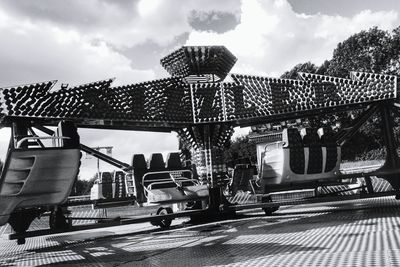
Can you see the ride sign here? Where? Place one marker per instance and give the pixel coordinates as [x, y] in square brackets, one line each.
[194, 97]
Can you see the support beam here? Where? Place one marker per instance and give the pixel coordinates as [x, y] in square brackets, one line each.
[345, 135]
[105, 158]
[44, 129]
[392, 159]
[34, 134]
[93, 152]
[387, 126]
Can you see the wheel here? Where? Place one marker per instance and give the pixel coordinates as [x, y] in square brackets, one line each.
[269, 211]
[164, 223]
[58, 221]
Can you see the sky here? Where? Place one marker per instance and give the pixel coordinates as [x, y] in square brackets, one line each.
[76, 42]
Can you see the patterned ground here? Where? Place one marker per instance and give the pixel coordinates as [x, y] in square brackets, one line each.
[351, 233]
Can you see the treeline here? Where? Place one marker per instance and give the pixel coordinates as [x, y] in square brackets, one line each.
[374, 50]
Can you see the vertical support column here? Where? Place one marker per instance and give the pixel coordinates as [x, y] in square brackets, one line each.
[207, 147]
[392, 160]
[214, 198]
[208, 154]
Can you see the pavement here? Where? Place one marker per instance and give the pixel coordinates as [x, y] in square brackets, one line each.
[363, 232]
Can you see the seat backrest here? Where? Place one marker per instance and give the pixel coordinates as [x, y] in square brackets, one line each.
[242, 174]
[313, 142]
[328, 137]
[106, 184]
[292, 137]
[139, 169]
[157, 164]
[174, 161]
[139, 162]
[311, 137]
[294, 143]
[328, 140]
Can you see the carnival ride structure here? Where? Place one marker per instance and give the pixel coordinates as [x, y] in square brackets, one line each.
[196, 103]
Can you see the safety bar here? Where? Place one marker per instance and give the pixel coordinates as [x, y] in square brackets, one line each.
[278, 144]
[163, 181]
[178, 182]
[19, 143]
[168, 172]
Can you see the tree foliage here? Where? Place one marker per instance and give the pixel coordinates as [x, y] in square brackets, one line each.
[368, 51]
[240, 148]
[394, 63]
[302, 67]
[82, 187]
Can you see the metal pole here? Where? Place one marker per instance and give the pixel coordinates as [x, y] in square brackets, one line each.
[98, 168]
[392, 160]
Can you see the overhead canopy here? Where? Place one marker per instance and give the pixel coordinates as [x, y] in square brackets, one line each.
[199, 60]
[177, 103]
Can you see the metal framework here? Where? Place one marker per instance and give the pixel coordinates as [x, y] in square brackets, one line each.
[202, 108]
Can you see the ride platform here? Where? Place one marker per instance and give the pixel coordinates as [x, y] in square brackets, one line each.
[361, 232]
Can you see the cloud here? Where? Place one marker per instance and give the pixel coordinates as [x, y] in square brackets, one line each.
[72, 29]
[271, 38]
[213, 21]
[122, 23]
[343, 8]
[36, 52]
[78, 41]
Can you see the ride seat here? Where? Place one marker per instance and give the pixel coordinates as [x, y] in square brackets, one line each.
[157, 164]
[139, 169]
[174, 163]
[313, 142]
[106, 184]
[328, 140]
[292, 139]
[242, 174]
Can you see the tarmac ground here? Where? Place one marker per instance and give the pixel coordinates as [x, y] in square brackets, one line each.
[363, 232]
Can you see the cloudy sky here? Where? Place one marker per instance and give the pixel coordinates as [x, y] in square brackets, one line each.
[76, 42]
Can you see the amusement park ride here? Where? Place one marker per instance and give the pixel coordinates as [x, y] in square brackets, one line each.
[196, 103]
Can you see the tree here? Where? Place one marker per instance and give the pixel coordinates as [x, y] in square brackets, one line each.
[376, 51]
[240, 148]
[394, 64]
[302, 67]
[83, 187]
[368, 51]
[323, 69]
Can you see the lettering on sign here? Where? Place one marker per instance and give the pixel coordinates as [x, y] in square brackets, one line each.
[325, 92]
[239, 102]
[282, 96]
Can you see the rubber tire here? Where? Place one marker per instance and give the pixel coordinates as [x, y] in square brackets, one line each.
[164, 223]
[269, 211]
[58, 221]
